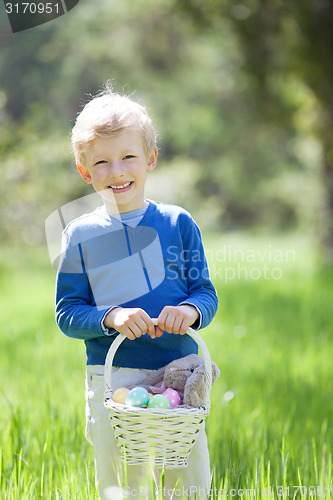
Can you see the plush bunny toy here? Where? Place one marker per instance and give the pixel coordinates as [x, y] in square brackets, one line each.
[185, 375]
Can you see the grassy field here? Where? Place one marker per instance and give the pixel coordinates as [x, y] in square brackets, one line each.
[270, 428]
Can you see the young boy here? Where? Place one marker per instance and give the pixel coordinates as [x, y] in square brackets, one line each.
[127, 262]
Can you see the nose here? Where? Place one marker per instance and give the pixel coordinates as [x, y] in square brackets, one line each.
[116, 170]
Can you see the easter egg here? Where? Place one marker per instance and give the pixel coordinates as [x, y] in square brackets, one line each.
[159, 401]
[137, 397]
[173, 397]
[120, 395]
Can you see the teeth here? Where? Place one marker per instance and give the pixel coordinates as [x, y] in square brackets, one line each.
[122, 186]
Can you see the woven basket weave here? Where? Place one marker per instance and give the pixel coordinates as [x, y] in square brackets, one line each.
[160, 437]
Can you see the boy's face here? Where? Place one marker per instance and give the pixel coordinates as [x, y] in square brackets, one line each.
[118, 165]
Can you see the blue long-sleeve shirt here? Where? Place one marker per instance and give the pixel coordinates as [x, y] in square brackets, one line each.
[106, 263]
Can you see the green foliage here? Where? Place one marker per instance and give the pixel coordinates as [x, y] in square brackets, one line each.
[271, 408]
[286, 46]
[198, 73]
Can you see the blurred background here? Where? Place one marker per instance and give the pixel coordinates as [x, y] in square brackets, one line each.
[241, 95]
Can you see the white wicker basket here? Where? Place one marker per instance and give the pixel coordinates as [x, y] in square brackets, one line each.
[160, 437]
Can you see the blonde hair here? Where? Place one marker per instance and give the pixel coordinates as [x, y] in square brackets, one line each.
[108, 114]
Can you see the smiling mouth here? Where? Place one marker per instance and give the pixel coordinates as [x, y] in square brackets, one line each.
[120, 188]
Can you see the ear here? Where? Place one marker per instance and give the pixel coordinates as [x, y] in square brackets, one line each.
[152, 160]
[84, 172]
[215, 372]
[195, 388]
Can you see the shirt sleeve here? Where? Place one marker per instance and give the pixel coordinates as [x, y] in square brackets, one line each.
[76, 313]
[107, 331]
[201, 292]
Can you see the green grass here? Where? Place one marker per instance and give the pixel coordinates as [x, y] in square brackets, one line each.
[270, 423]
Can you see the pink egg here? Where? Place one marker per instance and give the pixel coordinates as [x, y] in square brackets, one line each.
[173, 397]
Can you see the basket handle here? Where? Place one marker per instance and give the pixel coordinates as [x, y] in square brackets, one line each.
[192, 333]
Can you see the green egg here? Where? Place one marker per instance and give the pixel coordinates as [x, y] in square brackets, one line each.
[159, 401]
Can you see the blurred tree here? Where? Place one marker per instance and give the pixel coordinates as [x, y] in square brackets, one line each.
[205, 88]
[283, 42]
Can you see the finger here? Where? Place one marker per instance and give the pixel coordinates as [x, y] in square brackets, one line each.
[177, 324]
[141, 323]
[183, 327]
[166, 319]
[150, 327]
[144, 322]
[135, 330]
[169, 322]
[128, 333]
[161, 319]
[158, 332]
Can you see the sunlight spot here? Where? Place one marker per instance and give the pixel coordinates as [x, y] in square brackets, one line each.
[113, 492]
[240, 12]
[228, 396]
[239, 331]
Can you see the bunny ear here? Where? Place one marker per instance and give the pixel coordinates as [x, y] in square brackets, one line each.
[215, 372]
[194, 388]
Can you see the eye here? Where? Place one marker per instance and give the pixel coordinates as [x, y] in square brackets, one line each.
[129, 157]
[100, 162]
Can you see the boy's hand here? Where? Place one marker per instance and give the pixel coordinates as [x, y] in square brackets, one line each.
[176, 319]
[131, 322]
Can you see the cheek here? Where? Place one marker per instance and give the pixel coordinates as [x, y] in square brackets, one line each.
[99, 174]
[139, 173]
